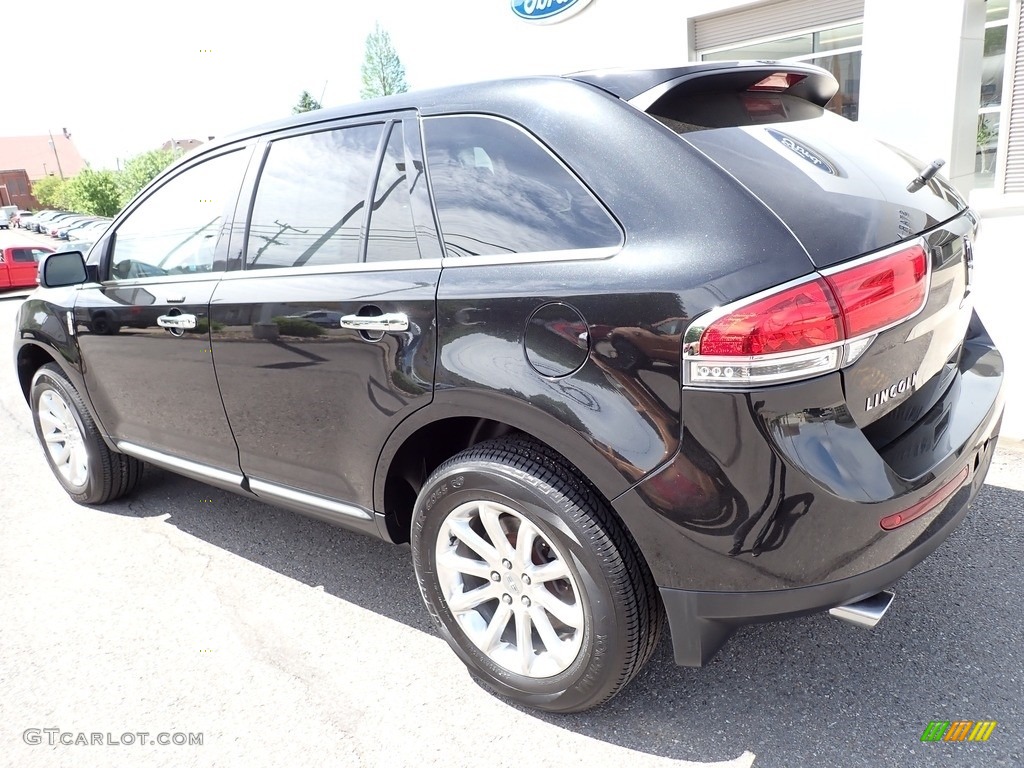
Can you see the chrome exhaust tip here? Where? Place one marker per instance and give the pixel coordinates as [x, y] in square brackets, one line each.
[867, 612]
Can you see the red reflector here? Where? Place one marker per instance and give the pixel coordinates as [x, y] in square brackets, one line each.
[779, 81]
[798, 318]
[925, 505]
[881, 292]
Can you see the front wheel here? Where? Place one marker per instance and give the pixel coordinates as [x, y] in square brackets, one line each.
[532, 580]
[90, 472]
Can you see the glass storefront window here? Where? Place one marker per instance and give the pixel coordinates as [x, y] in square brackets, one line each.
[997, 10]
[839, 37]
[845, 68]
[773, 50]
[985, 156]
[993, 66]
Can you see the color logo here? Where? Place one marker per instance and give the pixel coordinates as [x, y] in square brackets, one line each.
[958, 730]
[547, 11]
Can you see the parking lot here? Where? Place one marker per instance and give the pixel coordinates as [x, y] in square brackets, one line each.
[283, 641]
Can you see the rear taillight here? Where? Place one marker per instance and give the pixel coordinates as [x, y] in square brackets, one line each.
[818, 325]
[881, 292]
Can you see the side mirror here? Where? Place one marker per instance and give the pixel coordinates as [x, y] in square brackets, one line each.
[58, 270]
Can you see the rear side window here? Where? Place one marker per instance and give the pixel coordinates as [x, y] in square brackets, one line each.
[391, 236]
[498, 191]
[311, 199]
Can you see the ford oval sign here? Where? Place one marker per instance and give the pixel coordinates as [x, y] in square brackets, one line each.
[547, 11]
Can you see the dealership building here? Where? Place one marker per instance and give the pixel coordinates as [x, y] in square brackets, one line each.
[938, 78]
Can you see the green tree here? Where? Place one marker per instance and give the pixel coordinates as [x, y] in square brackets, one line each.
[93, 192]
[140, 170]
[383, 73]
[306, 104]
[48, 191]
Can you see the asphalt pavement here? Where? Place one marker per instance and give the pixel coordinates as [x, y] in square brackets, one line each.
[277, 640]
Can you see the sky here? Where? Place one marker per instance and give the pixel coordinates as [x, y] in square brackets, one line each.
[123, 79]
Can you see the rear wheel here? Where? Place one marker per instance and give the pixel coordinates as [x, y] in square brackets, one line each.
[90, 472]
[533, 581]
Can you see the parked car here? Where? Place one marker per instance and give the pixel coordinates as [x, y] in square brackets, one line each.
[65, 233]
[610, 347]
[82, 246]
[56, 225]
[41, 219]
[28, 222]
[18, 265]
[19, 218]
[47, 225]
[85, 230]
[7, 215]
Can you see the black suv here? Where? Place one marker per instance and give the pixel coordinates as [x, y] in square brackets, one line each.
[605, 348]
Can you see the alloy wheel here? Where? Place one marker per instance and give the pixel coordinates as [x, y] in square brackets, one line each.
[510, 588]
[63, 438]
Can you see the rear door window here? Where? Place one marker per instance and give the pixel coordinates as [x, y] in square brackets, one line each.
[311, 200]
[391, 236]
[498, 191]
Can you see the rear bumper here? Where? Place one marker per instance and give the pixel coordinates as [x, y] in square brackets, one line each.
[772, 507]
[701, 622]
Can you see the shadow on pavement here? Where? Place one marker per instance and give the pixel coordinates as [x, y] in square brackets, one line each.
[806, 692]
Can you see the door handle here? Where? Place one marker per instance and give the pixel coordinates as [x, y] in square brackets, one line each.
[395, 321]
[179, 322]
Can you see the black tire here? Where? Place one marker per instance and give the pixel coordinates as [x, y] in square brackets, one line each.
[105, 475]
[608, 579]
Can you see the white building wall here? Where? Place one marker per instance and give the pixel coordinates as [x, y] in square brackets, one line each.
[921, 79]
[490, 41]
[920, 71]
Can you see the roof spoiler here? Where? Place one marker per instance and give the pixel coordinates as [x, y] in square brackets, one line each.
[644, 87]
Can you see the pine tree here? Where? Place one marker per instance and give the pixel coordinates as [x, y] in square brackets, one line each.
[383, 73]
[306, 104]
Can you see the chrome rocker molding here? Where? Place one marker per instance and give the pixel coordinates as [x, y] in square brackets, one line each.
[221, 478]
[328, 510]
[332, 511]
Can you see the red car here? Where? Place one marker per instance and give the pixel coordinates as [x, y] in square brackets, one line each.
[18, 265]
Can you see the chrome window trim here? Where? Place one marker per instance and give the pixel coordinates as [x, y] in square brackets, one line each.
[571, 254]
[332, 269]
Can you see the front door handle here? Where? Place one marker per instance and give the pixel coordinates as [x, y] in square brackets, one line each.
[396, 321]
[177, 322]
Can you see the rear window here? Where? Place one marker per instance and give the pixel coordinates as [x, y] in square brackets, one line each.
[499, 191]
[688, 112]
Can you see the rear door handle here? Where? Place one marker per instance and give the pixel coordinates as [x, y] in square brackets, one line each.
[395, 321]
[176, 321]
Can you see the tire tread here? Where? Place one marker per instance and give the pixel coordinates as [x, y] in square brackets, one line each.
[119, 474]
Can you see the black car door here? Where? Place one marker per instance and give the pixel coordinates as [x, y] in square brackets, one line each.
[143, 330]
[312, 397]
